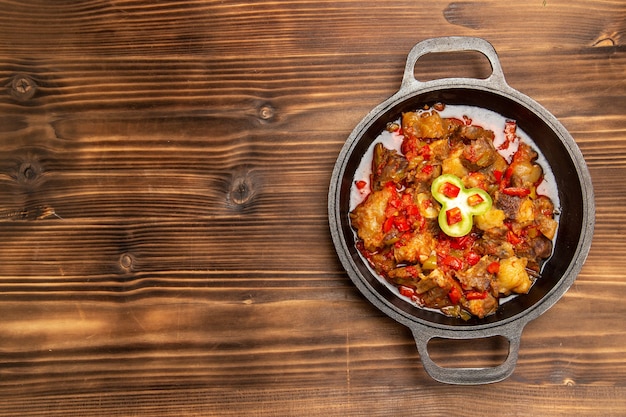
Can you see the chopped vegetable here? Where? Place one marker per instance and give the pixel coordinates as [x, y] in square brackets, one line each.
[453, 216]
[454, 294]
[472, 258]
[474, 200]
[450, 190]
[459, 205]
[493, 267]
[516, 191]
[430, 263]
[510, 136]
[407, 291]
[476, 295]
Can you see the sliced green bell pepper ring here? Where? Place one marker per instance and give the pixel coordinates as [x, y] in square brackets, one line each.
[459, 205]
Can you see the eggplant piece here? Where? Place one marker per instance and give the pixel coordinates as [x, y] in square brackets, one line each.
[387, 166]
[478, 154]
[476, 277]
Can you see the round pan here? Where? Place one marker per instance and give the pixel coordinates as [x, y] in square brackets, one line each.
[574, 188]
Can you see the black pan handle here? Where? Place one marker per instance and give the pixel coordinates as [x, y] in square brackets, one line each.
[452, 44]
[468, 376]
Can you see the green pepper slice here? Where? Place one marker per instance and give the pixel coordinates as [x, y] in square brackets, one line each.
[456, 216]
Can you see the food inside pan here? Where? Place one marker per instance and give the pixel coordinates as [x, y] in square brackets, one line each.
[455, 209]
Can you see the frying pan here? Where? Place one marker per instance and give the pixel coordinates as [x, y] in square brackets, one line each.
[573, 184]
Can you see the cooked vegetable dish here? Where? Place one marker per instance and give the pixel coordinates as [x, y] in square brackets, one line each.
[450, 219]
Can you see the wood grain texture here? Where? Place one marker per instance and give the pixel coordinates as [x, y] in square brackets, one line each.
[164, 169]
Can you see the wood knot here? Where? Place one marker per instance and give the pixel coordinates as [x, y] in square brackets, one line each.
[23, 87]
[604, 42]
[242, 188]
[28, 172]
[266, 112]
[126, 261]
[569, 382]
[240, 191]
[461, 13]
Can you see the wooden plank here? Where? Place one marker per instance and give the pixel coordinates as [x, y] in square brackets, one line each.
[164, 169]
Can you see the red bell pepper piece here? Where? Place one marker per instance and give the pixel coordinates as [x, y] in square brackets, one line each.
[453, 262]
[506, 178]
[412, 210]
[388, 224]
[395, 202]
[472, 258]
[462, 242]
[512, 238]
[454, 295]
[406, 291]
[474, 200]
[476, 295]
[510, 136]
[453, 216]
[516, 191]
[401, 224]
[449, 190]
[493, 267]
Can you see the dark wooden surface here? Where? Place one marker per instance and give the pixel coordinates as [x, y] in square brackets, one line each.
[164, 168]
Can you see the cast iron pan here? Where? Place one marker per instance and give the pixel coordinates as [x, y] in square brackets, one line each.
[575, 193]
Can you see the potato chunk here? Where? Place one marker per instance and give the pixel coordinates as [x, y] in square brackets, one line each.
[417, 248]
[420, 125]
[453, 164]
[525, 212]
[493, 218]
[482, 308]
[369, 216]
[512, 276]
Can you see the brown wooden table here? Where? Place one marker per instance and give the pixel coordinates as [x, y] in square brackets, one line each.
[164, 169]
